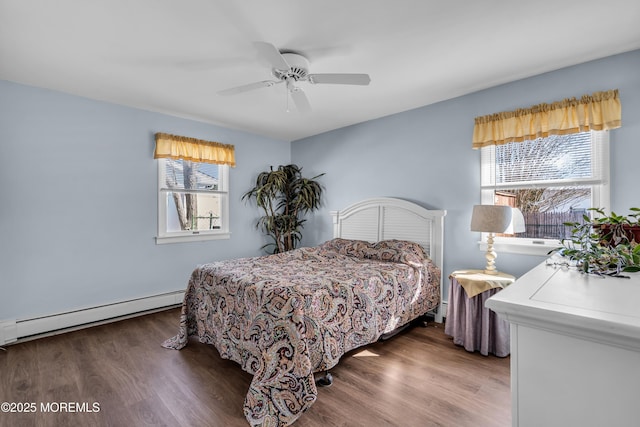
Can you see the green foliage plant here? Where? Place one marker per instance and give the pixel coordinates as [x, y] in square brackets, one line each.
[285, 197]
[603, 245]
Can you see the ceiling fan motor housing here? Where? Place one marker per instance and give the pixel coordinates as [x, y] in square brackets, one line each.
[298, 67]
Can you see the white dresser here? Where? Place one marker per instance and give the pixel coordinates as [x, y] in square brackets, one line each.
[575, 348]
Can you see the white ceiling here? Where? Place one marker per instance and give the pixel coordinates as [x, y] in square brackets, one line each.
[174, 56]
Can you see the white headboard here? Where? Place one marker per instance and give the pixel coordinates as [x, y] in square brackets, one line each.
[386, 218]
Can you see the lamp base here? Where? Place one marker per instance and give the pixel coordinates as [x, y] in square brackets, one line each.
[491, 256]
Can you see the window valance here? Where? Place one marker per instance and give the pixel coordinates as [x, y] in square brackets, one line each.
[197, 150]
[598, 111]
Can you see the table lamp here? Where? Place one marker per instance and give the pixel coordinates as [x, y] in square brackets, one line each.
[495, 219]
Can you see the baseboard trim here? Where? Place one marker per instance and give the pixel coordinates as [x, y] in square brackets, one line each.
[12, 332]
[28, 329]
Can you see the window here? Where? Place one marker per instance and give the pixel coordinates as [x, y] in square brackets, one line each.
[193, 188]
[552, 180]
[193, 201]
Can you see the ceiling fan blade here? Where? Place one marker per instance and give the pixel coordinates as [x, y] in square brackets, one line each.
[300, 99]
[340, 79]
[248, 87]
[272, 55]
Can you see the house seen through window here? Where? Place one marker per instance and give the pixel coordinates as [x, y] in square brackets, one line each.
[552, 180]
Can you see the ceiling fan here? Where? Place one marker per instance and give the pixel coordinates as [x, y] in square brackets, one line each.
[291, 68]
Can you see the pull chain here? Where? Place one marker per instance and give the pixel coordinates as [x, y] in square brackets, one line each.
[286, 94]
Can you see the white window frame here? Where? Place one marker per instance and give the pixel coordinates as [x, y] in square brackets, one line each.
[600, 197]
[223, 232]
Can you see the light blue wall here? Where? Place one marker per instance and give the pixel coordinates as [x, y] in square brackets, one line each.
[78, 203]
[78, 183]
[424, 155]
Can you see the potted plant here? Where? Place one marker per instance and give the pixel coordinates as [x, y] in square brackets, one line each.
[605, 245]
[615, 229]
[285, 196]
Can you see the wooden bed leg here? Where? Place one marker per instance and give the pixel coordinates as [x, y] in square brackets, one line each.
[326, 380]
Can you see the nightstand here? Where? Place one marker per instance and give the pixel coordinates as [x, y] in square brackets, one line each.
[469, 322]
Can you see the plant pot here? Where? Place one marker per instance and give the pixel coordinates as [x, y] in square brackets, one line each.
[606, 231]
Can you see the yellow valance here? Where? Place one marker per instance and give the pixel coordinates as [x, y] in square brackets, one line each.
[598, 111]
[196, 150]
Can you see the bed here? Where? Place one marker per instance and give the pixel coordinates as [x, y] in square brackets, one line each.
[285, 317]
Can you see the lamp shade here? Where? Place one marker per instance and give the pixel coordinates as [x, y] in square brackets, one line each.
[491, 218]
[517, 224]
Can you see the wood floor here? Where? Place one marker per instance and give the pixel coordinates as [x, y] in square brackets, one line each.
[418, 378]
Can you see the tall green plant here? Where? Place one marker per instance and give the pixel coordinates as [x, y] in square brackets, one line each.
[285, 196]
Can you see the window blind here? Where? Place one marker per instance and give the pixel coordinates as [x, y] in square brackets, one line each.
[570, 159]
[186, 175]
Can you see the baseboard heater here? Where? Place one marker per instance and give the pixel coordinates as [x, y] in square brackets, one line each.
[22, 330]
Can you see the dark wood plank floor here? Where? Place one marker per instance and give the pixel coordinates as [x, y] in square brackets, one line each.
[418, 378]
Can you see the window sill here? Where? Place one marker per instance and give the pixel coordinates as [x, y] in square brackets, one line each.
[184, 238]
[522, 246]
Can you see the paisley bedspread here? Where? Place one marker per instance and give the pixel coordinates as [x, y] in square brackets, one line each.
[283, 317]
